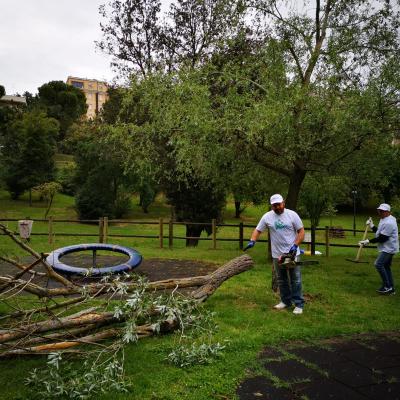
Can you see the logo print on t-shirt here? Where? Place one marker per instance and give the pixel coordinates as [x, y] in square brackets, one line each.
[279, 224]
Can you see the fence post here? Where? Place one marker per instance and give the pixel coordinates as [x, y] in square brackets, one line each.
[312, 240]
[327, 241]
[171, 234]
[105, 229]
[214, 233]
[161, 234]
[101, 226]
[241, 236]
[50, 230]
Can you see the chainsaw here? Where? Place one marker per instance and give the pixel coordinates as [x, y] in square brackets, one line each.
[288, 260]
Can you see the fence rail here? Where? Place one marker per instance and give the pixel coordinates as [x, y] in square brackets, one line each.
[104, 223]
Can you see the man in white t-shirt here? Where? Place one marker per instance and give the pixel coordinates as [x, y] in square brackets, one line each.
[387, 239]
[286, 234]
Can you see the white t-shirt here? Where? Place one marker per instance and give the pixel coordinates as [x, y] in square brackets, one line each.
[388, 226]
[283, 230]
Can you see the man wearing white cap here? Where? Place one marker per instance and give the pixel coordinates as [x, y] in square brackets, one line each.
[286, 233]
[387, 239]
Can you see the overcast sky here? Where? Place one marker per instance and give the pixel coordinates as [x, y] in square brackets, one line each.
[45, 40]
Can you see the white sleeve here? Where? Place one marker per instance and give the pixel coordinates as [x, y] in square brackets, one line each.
[262, 225]
[297, 222]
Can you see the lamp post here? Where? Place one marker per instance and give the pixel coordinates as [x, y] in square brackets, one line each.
[354, 193]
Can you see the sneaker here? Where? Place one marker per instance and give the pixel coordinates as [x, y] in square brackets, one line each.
[385, 290]
[298, 310]
[281, 306]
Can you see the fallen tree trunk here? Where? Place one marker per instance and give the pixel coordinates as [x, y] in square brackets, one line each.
[51, 325]
[207, 284]
[65, 333]
[215, 280]
[21, 266]
[141, 332]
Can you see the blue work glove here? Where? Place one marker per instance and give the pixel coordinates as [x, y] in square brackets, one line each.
[293, 251]
[250, 245]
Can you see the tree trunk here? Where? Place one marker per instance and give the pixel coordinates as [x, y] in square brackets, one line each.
[237, 209]
[193, 231]
[296, 180]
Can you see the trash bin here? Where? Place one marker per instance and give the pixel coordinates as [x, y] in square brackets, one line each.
[25, 228]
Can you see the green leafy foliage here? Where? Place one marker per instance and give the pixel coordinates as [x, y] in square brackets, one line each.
[47, 191]
[28, 152]
[144, 40]
[63, 102]
[275, 90]
[64, 381]
[184, 356]
[320, 194]
[147, 194]
[197, 201]
[111, 108]
[65, 176]
[103, 370]
[103, 187]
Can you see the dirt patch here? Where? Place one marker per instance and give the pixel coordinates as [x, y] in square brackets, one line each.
[154, 269]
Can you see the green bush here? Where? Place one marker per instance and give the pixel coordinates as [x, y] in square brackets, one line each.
[94, 199]
[65, 176]
[122, 203]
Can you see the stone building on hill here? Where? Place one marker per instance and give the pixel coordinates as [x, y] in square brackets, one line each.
[95, 92]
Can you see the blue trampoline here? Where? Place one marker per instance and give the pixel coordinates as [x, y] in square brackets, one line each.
[134, 260]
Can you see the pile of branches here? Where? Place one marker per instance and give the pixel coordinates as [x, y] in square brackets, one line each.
[73, 315]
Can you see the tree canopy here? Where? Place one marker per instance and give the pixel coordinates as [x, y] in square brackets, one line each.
[63, 102]
[287, 86]
[28, 150]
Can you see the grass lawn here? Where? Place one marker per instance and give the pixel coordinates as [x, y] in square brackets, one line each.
[342, 301]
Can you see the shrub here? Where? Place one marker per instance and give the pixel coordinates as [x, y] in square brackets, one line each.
[65, 176]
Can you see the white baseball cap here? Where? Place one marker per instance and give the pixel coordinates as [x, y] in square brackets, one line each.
[276, 198]
[384, 207]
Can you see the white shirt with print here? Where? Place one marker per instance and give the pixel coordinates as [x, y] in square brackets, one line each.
[388, 226]
[283, 230]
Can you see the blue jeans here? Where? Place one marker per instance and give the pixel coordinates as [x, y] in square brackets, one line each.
[383, 266]
[289, 281]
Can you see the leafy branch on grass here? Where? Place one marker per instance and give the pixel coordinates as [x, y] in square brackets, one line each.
[101, 320]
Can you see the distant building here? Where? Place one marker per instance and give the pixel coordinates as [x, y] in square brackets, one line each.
[14, 101]
[95, 92]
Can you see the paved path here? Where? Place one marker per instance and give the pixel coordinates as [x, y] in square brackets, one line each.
[363, 367]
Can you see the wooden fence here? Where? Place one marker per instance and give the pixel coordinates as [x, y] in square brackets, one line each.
[103, 235]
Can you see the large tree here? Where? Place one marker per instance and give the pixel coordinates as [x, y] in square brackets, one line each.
[131, 34]
[142, 40]
[103, 188]
[28, 150]
[330, 54]
[161, 122]
[299, 99]
[63, 102]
